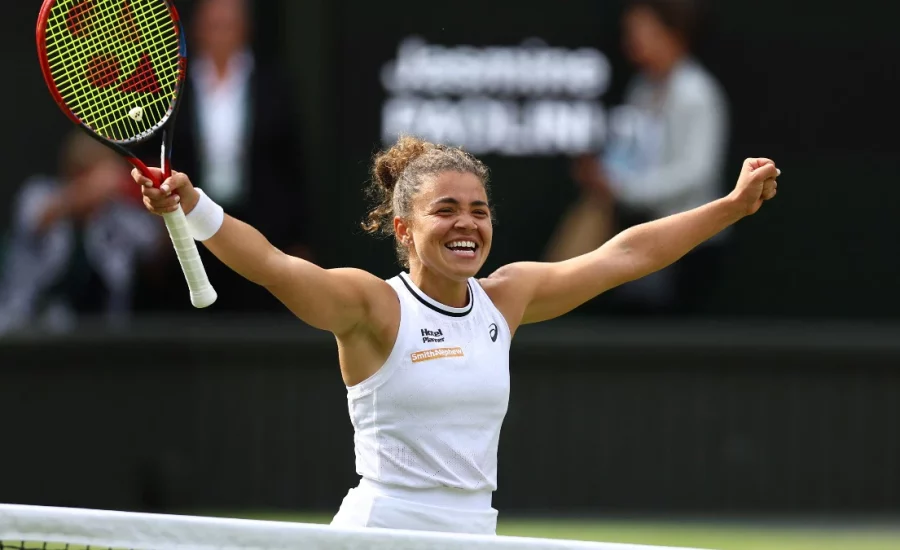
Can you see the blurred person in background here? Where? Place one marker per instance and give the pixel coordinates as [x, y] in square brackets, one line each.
[238, 136]
[666, 155]
[76, 242]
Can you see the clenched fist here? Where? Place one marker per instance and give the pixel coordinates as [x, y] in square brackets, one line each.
[756, 184]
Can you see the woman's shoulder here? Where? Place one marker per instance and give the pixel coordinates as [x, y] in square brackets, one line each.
[499, 280]
[507, 289]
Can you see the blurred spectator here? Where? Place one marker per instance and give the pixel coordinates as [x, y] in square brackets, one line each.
[76, 241]
[237, 138]
[665, 155]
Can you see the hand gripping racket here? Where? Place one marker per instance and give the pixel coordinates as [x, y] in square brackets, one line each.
[116, 68]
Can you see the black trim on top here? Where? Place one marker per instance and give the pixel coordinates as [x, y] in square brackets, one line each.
[415, 292]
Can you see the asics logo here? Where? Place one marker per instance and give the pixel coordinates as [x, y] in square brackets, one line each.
[493, 332]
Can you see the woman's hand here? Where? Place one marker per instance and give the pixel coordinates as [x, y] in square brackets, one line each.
[176, 190]
[756, 184]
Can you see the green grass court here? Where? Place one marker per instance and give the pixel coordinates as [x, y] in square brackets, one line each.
[712, 535]
[690, 534]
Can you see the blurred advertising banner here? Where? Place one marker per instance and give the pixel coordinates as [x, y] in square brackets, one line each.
[527, 99]
[525, 86]
[529, 85]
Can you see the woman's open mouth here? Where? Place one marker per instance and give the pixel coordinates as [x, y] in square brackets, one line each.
[462, 248]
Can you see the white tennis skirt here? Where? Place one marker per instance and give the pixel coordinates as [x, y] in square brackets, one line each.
[374, 504]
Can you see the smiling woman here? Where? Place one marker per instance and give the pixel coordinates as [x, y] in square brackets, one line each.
[420, 180]
[425, 354]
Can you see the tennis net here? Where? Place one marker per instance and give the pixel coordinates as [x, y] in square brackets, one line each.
[51, 528]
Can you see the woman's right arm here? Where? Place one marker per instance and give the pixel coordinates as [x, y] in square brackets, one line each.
[336, 300]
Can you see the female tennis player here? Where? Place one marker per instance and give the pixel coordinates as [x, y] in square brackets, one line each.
[425, 354]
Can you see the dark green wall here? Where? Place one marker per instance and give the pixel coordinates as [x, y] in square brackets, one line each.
[602, 417]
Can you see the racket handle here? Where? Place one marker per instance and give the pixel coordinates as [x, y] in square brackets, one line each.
[202, 292]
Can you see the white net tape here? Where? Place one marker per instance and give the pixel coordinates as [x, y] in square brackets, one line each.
[129, 530]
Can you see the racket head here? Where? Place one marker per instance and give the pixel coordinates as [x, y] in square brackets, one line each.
[114, 67]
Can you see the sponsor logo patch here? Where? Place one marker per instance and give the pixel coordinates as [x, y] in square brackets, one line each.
[437, 353]
[432, 335]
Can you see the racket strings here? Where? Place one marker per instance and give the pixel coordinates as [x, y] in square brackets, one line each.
[101, 69]
[124, 34]
[83, 55]
[116, 64]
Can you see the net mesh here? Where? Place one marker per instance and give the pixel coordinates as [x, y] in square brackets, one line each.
[34, 527]
[115, 63]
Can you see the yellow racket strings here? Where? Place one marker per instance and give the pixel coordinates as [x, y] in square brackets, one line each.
[114, 62]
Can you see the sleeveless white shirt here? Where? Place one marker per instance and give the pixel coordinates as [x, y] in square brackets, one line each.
[431, 416]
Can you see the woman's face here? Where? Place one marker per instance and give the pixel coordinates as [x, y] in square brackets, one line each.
[450, 229]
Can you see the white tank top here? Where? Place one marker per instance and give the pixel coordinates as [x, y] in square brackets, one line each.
[431, 416]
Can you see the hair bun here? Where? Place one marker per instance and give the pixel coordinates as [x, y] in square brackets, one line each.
[390, 164]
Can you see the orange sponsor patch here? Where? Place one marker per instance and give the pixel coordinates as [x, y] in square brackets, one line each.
[437, 353]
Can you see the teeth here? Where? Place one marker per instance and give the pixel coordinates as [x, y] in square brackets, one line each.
[462, 244]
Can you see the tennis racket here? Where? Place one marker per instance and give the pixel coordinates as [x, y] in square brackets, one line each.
[117, 68]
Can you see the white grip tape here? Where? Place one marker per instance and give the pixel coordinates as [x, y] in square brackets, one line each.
[202, 292]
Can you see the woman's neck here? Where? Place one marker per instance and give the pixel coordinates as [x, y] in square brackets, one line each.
[439, 288]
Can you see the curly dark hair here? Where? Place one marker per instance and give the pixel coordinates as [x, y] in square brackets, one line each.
[397, 175]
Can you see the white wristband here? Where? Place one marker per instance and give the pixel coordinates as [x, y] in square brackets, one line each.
[205, 219]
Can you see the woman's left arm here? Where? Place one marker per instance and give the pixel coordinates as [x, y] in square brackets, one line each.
[542, 291]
